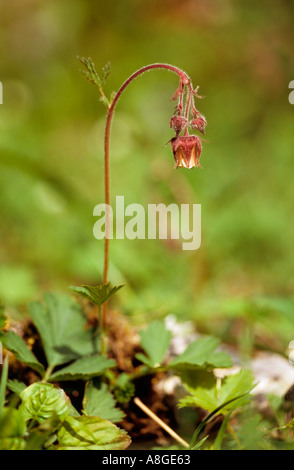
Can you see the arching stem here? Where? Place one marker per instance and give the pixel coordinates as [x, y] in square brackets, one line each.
[184, 80]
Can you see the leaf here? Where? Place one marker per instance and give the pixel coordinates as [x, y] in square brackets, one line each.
[12, 443]
[213, 413]
[91, 433]
[237, 384]
[251, 432]
[221, 433]
[201, 383]
[210, 398]
[195, 378]
[219, 360]
[84, 368]
[203, 398]
[90, 72]
[12, 423]
[40, 438]
[42, 401]
[145, 360]
[105, 73]
[16, 344]
[16, 386]
[202, 353]
[3, 384]
[92, 76]
[96, 294]
[99, 401]
[155, 340]
[61, 324]
[124, 388]
[200, 443]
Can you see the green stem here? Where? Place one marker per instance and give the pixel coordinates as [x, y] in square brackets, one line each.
[48, 373]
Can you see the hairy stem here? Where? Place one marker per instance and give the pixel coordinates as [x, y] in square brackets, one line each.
[185, 80]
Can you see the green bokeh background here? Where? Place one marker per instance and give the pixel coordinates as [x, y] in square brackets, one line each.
[241, 55]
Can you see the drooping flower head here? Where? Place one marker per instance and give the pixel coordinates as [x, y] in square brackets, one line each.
[187, 150]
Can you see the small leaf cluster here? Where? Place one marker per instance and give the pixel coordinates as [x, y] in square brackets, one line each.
[201, 354]
[41, 415]
[66, 342]
[227, 399]
[98, 295]
[98, 81]
[45, 420]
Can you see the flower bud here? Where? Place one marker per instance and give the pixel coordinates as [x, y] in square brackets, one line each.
[199, 123]
[186, 150]
[178, 123]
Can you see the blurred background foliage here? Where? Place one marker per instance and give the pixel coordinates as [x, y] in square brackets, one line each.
[51, 156]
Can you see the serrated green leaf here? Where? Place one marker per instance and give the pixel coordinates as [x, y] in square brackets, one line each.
[92, 76]
[155, 340]
[91, 433]
[236, 384]
[16, 386]
[84, 368]
[198, 352]
[42, 401]
[210, 398]
[99, 401]
[16, 344]
[202, 353]
[221, 407]
[96, 294]
[61, 324]
[90, 72]
[204, 398]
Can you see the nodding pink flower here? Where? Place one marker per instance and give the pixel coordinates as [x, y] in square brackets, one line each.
[199, 123]
[186, 150]
[178, 123]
